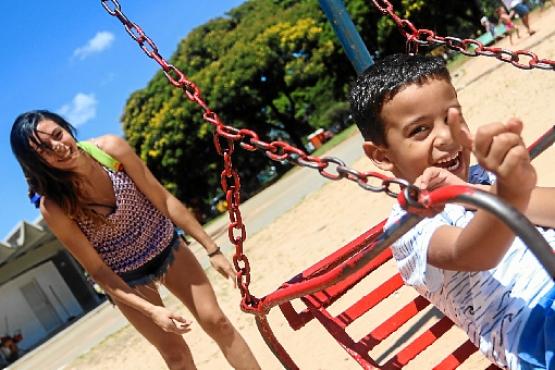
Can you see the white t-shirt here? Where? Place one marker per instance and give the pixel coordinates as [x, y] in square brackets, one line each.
[491, 306]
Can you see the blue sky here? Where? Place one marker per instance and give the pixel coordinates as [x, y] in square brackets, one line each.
[79, 61]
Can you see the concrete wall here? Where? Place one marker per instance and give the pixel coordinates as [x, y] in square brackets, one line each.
[17, 314]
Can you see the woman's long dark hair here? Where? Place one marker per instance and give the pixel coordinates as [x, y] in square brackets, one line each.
[59, 186]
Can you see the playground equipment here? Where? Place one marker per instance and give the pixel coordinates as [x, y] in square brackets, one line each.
[324, 283]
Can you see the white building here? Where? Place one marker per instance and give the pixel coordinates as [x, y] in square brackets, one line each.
[42, 288]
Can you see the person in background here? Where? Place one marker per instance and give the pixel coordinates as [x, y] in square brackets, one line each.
[488, 26]
[521, 9]
[505, 19]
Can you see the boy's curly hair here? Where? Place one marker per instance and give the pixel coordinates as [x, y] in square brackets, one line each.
[382, 81]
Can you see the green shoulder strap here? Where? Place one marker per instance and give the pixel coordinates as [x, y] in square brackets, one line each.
[100, 155]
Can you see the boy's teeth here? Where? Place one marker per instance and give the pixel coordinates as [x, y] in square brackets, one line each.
[451, 163]
[448, 159]
[454, 166]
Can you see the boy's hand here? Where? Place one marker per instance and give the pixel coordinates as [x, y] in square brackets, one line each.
[436, 177]
[499, 148]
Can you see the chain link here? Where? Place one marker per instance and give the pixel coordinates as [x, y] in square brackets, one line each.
[224, 138]
[330, 167]
[469, 47]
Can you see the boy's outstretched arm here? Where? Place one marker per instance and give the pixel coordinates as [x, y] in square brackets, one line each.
[499, 149]
[541, 209]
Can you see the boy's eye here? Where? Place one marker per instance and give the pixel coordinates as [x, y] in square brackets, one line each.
[418, 130]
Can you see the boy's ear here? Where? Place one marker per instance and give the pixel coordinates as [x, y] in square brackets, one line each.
[378, 155]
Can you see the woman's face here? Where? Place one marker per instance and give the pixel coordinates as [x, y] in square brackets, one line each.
[58, 148]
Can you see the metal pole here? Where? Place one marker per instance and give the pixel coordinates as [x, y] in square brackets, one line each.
[347, 33]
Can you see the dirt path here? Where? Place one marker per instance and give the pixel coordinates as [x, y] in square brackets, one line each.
[329, 218]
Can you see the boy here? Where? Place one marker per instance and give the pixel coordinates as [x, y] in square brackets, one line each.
[487, 282]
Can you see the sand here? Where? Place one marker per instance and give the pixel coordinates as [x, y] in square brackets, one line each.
[326, 219]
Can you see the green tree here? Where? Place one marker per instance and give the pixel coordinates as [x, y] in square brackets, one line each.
[272, 66]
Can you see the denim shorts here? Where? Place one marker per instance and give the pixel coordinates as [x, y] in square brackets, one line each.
[521, 9]
[154, 269]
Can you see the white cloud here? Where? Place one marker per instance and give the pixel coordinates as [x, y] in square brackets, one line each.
[100, 42]
[81, 109]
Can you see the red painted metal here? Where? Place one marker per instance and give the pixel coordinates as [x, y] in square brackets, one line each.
[423, 341]
[400, 317]
[322, 284]
[458, 356]
[274, 345]
[542, 143]
[318, 302]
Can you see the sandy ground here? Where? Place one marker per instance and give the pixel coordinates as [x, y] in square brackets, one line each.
[337, 213]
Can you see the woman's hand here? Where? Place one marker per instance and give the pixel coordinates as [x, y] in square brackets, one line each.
[224, 267]
[170, 322]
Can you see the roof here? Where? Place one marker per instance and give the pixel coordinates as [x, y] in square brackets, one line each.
[23, 238]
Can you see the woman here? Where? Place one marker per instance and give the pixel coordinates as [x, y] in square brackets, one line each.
[117, 220]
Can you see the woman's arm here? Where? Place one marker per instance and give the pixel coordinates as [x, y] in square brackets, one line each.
[69, 234]
[163, 200]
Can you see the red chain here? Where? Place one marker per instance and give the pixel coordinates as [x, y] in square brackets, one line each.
[469, 47]
[225, 136]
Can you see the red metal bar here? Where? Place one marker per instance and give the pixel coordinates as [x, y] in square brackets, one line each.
[358, 351]
[419, 344]
[316, 283]
[326, 297]
[399, 318]
[295, 319]
[274, 345]
[346, 251]
[370, 300]
[334, 292]
[456, 358]
[542, 143]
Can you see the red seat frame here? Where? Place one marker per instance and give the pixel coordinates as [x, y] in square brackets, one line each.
[317, 305]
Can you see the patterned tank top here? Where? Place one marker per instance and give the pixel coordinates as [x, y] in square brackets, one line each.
[136, 231]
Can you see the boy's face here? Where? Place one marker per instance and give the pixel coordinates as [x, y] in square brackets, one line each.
[417, 133]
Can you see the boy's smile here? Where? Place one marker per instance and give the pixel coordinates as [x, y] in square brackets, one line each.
[417, 135]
